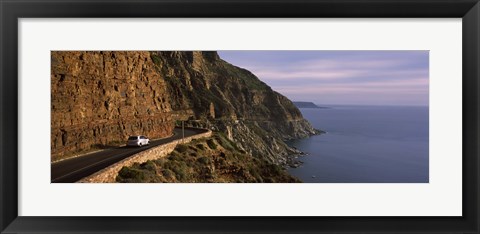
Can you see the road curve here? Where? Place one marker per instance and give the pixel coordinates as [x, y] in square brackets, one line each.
[73, 169]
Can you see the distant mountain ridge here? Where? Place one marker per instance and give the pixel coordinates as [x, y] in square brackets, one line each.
[305, 105]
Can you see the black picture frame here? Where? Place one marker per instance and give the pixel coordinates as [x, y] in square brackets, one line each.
[11, 11]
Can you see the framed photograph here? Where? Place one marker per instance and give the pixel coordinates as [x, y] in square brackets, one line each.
[227, 116]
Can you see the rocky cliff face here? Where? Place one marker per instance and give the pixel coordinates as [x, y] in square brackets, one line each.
[99, 98]
[232, 100]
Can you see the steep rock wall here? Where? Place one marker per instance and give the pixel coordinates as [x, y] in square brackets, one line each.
[99, 98]
[233, 100]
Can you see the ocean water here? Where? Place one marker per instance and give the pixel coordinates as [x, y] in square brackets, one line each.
[365, 144]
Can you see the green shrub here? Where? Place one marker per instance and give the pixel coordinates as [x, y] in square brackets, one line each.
[179, 168]
[200, 146]
[181, 148]
[225, 142]
[181, 174]
[275, 169]
[168, 174]
[268, 180]
[221, 162]
[149, 165]
[193, 148]
[155, 58]
[160, 161]
[204, 160]
[127, 174]
[173, 157]
[211, 144]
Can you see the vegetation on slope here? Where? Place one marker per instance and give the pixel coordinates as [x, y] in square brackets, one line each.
[232, 100]
[211, 160]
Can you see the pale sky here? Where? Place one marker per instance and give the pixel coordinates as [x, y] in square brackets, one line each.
[341, 77]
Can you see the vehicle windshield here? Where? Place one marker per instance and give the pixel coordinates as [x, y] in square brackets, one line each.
[132, 138]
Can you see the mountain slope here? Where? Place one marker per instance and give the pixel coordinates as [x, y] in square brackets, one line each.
[98, 98]
[232, 100]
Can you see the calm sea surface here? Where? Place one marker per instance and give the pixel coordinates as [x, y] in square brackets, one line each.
[365, 144]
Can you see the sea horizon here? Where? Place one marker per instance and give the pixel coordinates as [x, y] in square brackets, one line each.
[365, 144]
[360, 105]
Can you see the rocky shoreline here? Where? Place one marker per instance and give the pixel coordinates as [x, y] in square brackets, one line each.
[293, 159]
[101, 97]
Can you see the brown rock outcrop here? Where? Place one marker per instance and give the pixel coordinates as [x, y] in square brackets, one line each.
[100, 98]
[230, 99]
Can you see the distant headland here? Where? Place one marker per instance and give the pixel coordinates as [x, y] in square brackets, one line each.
[307, 105]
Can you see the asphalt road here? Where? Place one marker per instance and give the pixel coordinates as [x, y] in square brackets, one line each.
[73, 169]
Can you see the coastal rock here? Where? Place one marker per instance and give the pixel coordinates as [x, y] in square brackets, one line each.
[100, 98]
[230, 99]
